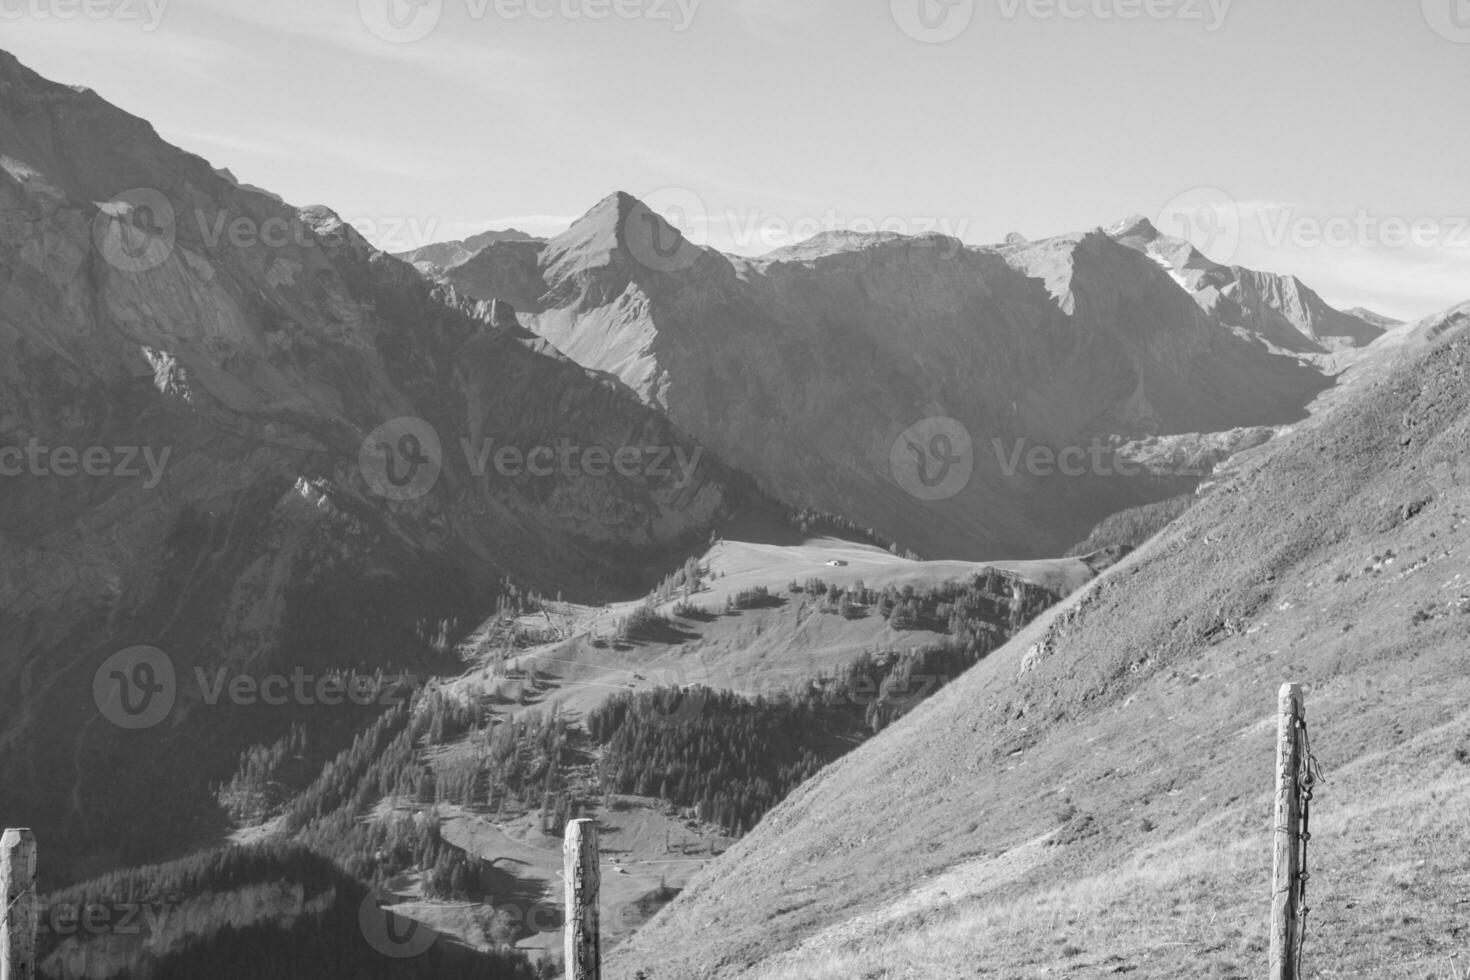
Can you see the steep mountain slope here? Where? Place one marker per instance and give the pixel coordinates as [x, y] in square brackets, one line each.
[1280, 309]
[1095, 797]
[903, 381]
[194, 384]
[446, 254]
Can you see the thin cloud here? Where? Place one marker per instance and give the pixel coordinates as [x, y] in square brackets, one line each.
[447, 53]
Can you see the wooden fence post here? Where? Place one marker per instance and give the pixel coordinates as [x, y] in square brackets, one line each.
[583, 881]
[1286, 870]
[18, 891]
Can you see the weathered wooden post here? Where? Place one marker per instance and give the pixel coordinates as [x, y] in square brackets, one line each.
[18, 890]
[583, 880]
[1286, 870]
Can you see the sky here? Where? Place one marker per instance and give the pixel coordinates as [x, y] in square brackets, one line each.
[1324, 138]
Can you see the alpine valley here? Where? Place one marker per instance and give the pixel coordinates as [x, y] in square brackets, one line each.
[831, 724]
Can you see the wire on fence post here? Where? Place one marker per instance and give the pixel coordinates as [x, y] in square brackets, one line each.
[1297, 774]
[1286, 852]
[1308, 775]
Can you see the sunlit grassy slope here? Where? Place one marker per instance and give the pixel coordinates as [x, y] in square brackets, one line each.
[756, 651]
[1094, 799]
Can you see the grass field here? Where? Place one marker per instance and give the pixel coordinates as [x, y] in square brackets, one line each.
[751, 652]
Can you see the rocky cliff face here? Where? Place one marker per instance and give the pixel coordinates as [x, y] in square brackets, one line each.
[198, 452]
[1279, 309]
[967, 402]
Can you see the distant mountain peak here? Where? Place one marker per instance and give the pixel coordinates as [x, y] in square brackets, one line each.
[622, 201]
[1280, 308]
[606, 215]
[832, 242]
[447, 254]
[599, 228]
[1375, 318]
[1135, 226]
[620, 229]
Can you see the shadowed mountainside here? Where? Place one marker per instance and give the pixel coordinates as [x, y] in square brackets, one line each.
[229, 356]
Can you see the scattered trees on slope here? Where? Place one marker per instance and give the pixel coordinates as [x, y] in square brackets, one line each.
[1132, 527]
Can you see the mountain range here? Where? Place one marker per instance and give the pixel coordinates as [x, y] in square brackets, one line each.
[237, 434]
[806, 366]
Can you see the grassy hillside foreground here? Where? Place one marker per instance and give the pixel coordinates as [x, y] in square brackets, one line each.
[1094, 798]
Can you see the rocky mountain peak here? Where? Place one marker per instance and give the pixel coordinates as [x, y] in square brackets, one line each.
[1135, 227]
[622, 231]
